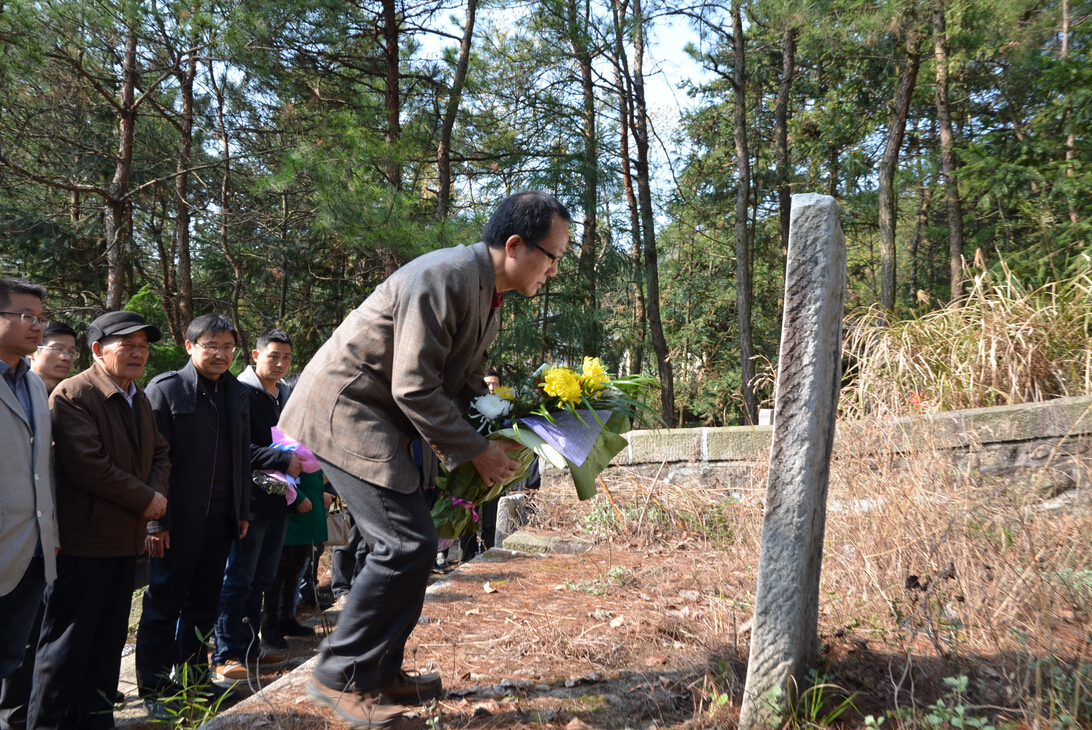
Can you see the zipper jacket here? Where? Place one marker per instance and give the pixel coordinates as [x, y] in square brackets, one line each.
[188, 419]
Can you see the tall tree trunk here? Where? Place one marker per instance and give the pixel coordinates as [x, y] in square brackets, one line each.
[640, 316]
[391, 92]
[921, 234]
[625, 124]
[743, 193]
[648, 222]
[283, 308]
[781, 135]
[890, 162]
[168, 270]
[947, 154]
[1070, 139]
[75, 211]
[443, 150]
[117, 206]
[226, 206]
[580, 42]
[182, 189]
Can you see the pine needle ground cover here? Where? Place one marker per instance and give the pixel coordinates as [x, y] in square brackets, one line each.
[945, 602]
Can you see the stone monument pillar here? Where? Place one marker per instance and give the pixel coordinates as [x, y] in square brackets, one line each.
[783, 635]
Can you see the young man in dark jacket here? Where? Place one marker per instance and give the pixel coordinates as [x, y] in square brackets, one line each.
[252, 565]
[204, 413]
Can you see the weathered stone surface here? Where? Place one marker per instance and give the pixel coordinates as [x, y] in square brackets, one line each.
[783, 638]
[510, 514]
[737, 443]
[1042, 483]
[663, 444]
[1061, 417]
[525, 542]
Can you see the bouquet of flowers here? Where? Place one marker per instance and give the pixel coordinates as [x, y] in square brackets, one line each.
[571, 418]
[278, 482]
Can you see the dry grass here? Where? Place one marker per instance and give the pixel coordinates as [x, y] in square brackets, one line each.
[927, 573]
[1004, 345]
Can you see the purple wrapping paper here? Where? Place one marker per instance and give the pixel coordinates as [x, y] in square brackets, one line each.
[573, 439]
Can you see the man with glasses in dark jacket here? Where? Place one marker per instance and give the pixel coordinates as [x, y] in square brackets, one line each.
[204, 413]
[252, 566]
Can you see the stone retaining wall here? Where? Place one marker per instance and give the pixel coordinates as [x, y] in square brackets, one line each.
[1042, 447]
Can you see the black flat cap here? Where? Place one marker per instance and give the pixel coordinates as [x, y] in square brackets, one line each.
[120, 323]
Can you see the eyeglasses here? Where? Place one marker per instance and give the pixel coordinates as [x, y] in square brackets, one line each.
[63, 351]
[554, 258]
[32, 318]
[228, 350]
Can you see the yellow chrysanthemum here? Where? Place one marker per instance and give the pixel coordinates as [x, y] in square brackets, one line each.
[563, 383]
[505, 392]
[595, 377]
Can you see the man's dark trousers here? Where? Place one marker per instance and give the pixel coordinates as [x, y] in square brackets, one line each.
[17, 644]
[366, 650]
[346, 560]
[181, 604]
[83, 632]
[251, 570]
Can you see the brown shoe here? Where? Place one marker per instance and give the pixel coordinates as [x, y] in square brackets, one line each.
[232, 669]
[414, 688]
[359, 709]
[267, 659]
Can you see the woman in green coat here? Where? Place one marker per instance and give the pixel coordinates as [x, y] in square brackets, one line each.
[304, 530]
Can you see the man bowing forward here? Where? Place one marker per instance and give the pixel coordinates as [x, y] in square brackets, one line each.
[403, 366]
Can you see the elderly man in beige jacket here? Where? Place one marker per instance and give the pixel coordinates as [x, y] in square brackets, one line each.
[404, 366]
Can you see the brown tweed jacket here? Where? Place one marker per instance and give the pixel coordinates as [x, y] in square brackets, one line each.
[405, 363]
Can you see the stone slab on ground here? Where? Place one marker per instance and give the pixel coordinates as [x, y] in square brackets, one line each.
[527, 542]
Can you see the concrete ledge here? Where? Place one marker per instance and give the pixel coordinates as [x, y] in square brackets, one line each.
[254, 710]
[1056, 418]
[1026, 422]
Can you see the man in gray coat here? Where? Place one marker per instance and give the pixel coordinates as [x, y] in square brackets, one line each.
[28, 527]
[403, 366]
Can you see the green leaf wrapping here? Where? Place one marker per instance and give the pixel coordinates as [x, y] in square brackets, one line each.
[454, 521]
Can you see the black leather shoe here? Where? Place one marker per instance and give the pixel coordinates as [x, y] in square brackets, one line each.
[322, 604]
[163, 711]
[271, 635]
[292, 627]
[221, 694]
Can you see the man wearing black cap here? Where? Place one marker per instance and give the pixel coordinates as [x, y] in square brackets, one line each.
[112, 469]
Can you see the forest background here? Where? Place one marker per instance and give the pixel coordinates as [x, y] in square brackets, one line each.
[276, 160]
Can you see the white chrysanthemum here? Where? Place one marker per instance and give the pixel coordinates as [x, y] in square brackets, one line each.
[491, 407]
